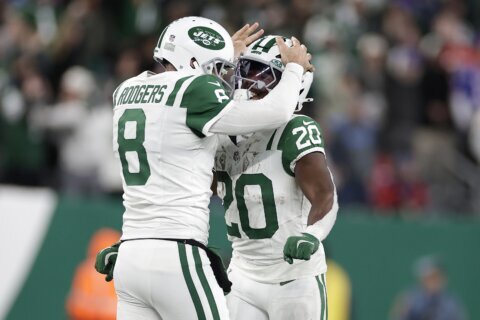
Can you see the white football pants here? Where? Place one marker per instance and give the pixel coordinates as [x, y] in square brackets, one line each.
[167, 280]
[302, 299]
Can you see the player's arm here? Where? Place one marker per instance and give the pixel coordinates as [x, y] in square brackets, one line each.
[106, 259]
[213, 187]
[210, 110]
[303, 157]
[314, 178]
[274, 109]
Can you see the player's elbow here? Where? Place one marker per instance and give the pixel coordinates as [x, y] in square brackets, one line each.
[280, 104]
[282, 113]
[324, 203]
[285, 116]
[325, 193]
[329, 199]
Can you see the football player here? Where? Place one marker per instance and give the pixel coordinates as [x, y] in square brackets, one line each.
[280, 202]
[164, 137]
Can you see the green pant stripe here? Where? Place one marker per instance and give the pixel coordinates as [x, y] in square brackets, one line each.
[176, 88]
[326, 295]
[205, 285]
[322, 298]
[188, 280]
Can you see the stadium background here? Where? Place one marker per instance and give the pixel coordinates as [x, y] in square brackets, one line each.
[397, 93]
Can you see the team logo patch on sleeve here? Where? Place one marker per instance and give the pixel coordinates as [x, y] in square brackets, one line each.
[207, 38]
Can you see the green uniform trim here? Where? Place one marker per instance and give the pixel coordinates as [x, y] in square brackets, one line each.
[300, 136]
[159, 43]
[204, 98]
[176, 88]
[326, 296]
[189, 281]
[322, 298]
[269, 144]
[286, 282]
[264, 47]
[115, 93]
[205, 285]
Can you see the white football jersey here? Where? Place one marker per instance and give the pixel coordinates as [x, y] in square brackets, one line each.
[263, 203]
[160, 129]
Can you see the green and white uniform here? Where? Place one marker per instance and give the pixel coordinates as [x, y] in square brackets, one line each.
[264, 206]
[161, 138]
[164, 138]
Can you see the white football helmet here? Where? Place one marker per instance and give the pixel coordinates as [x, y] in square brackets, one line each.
[196, 43]
[260, 69]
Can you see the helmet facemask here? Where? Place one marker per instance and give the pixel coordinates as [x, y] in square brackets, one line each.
[256, 77]
[260, 69]
[222, 69]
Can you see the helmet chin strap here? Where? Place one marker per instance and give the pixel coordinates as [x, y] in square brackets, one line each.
[306, 84]
[301, 102]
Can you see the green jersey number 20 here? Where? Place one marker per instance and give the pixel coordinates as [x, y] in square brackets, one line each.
[268, 199]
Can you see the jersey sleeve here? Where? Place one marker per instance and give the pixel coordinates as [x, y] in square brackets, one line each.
[204, 98]
[301, 136]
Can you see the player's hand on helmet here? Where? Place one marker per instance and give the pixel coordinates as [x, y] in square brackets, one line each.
[297, 53]
[105, 261]
[244, 37]
[300, 247]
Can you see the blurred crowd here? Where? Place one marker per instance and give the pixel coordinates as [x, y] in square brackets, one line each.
[397, 91]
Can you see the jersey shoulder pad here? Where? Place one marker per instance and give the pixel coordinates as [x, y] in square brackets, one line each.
[299, 137]
[204, 98]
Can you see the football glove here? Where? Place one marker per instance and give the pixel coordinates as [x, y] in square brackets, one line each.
[105, 261]
[300, 247]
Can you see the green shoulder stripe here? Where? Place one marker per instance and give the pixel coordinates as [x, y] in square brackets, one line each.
[204, 98]
[301, 136]
[176, 88]
[269, 144]
[115, 93]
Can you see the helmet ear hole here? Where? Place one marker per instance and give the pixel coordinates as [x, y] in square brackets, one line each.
[194, 63]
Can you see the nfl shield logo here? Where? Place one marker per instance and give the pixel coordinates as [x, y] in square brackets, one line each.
[172, 38]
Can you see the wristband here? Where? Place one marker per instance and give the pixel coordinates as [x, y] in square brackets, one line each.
[322, 228]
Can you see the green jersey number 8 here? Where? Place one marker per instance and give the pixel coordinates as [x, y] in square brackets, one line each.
[268, 200]
[133, 144]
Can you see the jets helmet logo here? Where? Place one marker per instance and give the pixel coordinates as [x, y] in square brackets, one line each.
[277, 63]
[207, 38]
